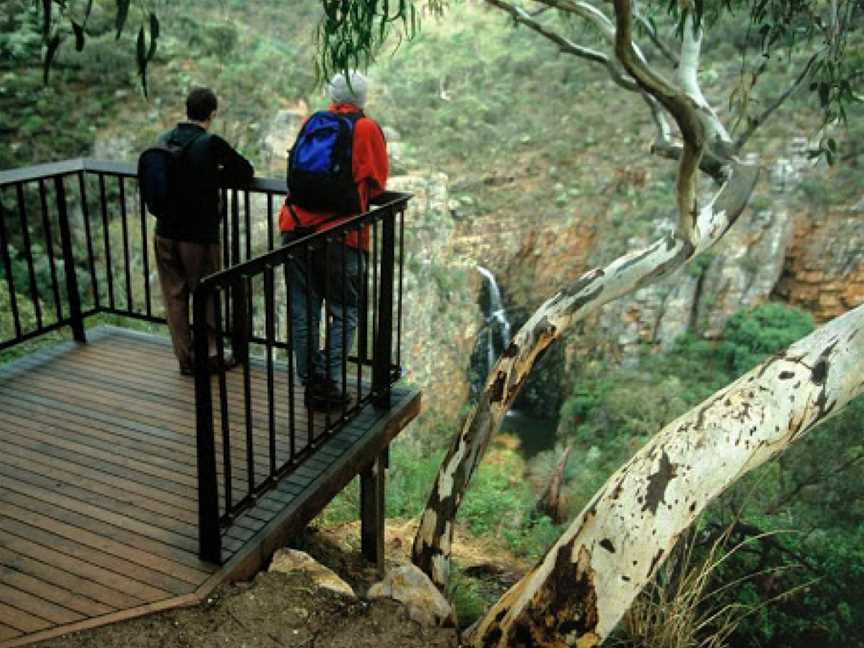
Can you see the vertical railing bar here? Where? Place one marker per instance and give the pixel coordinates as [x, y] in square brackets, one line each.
[209, 538]
[224, 414]
[401, 285]
[28, 250]
[376, 307]
[246, 282]
[248, 219]
[235, 228]
[109, 266]
[130, 305]
[49, 244]
[145, 255]
[269, 221]
[10, 283]
[363, 333]
[344, 358]
[226, 257]
[328, 342]
[74, 297]
[270, 334]
[288, 273]
[310, 414]
[91, 259]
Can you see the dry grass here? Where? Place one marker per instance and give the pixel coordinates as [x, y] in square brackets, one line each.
[681, 607]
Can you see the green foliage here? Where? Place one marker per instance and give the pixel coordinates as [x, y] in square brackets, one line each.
[751, 336]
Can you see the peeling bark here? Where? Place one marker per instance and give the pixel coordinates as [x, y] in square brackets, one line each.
[656, 496]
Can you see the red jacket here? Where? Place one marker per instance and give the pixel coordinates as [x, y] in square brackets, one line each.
[370, 167]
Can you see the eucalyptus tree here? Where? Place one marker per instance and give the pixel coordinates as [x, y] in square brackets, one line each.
[579, 591]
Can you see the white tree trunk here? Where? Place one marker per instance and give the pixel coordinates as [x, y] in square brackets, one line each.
[589, 578]
[432, 544]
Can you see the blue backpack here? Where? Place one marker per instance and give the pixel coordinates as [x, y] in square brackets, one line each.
[320, 169]
[159, 171]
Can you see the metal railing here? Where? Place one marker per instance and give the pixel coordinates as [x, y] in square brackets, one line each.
[49, 211]
[75, 241]
[274, 440]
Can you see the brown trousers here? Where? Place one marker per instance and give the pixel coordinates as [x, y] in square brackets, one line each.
[181, 266]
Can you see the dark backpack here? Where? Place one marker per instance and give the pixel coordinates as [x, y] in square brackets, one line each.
[320, 169]
[159, 174]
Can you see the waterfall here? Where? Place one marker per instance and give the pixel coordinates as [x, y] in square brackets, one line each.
[495, 336]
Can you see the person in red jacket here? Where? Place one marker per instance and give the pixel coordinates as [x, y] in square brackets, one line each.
[337, 272]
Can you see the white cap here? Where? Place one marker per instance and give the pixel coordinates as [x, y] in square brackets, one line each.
[341, 92]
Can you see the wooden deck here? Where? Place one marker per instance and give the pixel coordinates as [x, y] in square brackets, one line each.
[98, 504]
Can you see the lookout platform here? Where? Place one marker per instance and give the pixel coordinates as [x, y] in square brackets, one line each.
[98, 510]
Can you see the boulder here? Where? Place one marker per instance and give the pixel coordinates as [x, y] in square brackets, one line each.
[411, 587]
[291, 560]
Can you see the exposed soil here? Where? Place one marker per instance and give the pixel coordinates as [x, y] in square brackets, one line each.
[273, 610]
[277, 609]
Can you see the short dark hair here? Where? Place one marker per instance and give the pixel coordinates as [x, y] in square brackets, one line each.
[200, 104]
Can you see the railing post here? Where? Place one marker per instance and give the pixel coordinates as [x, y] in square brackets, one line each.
[209, 538]
[384, 340]
[240, 320]
[76, 320]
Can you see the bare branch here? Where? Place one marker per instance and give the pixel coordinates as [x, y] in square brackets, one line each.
[565, 44]
[664, 49]
[688, 77]
[680, 106]
[761, 119]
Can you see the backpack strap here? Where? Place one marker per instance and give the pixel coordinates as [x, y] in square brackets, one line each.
[291, 211]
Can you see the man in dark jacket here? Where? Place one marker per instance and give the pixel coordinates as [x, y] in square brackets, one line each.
[187, 247]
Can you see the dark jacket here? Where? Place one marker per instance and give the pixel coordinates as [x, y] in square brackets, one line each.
[208, 163]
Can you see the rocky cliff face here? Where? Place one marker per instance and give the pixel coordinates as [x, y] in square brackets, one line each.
[441, 317]
[774, 251]
[824, 265]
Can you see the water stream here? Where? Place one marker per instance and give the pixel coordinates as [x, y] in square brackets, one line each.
[535, 434]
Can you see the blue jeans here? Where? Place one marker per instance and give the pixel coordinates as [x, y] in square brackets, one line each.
[333, 277]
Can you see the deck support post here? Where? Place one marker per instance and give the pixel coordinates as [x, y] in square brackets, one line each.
[75, 318]
[372, 513]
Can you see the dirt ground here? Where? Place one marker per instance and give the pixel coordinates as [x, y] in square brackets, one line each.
[288, 610]
[273, 610]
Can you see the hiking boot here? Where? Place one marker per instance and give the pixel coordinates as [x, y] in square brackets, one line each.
[217, 365]
[324, 395]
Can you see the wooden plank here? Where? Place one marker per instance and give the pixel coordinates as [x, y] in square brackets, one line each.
[35, 606]
[51, 593]
[21, 621]
[114, 464]
[27, 495]
[7, 632]
[116, 617]
[80, 464]
[174, 577]
[102, 409]
[88, 488]
[105, 572]
[92, 597]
